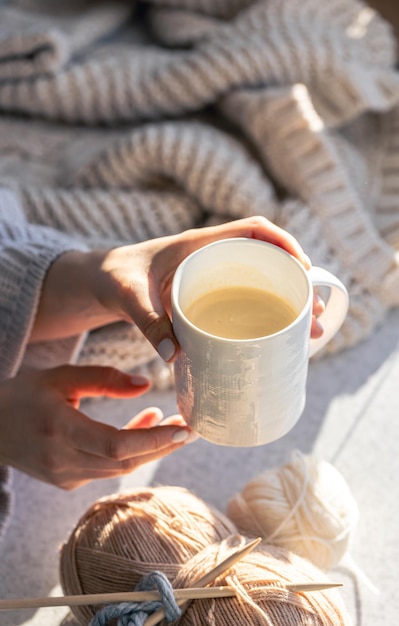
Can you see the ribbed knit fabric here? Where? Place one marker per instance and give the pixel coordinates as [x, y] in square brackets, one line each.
[199, 111]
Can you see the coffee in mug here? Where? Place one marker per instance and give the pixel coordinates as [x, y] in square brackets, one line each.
[241, 313]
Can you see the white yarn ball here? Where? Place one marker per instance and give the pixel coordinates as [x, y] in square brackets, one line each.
[304, 506]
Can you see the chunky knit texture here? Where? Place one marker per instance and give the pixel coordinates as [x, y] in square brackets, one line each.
[187, 112]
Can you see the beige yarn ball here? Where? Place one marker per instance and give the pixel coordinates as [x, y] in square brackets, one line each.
[304, 506]
[123, 537]
[261, 601]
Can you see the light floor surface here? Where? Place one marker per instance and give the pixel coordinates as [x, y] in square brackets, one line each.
[351, 419]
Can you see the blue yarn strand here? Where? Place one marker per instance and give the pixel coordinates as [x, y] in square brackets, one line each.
[136, 613]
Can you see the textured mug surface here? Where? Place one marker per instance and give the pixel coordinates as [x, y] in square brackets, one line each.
[248, 392]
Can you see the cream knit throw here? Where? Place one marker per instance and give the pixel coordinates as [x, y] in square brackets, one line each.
[141, 121]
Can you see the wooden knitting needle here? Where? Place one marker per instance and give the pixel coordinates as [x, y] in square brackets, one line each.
[306, 587]
[191, 593]
[181, 595]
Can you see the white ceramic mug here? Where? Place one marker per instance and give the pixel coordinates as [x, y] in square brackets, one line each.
[248, 392]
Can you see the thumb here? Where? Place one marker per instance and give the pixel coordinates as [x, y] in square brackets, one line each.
[78, 381]
[149, 315]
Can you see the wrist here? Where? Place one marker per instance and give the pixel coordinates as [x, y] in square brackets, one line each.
[68, 305]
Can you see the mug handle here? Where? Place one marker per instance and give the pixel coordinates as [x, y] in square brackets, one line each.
[336, 309]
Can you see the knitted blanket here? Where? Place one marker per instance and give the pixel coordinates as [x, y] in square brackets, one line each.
[122, 121]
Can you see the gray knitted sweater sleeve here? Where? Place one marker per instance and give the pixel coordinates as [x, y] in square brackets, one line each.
[26, 253]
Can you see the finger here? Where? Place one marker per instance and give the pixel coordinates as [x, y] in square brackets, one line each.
[176, 420]
[316, 329]
[318, 304]
[106, 441]
[145, 419]
[267, 231]
[88, 468]
[257, 227]
[85, 466]
[89, 381]
[149, 314]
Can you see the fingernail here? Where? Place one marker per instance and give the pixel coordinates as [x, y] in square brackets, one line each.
[139, 381]
[180, 435]
[166, 349]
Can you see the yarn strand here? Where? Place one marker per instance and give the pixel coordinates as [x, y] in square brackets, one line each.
[136, 613]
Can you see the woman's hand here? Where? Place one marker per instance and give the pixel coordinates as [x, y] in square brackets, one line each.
[43, 433]
[132, 283]
[135, 281]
